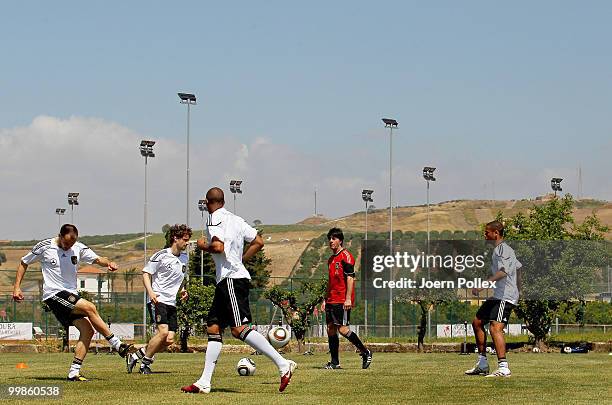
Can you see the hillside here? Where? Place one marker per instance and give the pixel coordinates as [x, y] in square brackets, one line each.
[286, 243]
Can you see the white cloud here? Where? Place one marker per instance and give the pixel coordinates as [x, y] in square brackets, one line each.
[42, 162]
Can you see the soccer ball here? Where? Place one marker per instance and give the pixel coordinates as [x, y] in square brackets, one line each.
[536, 350]
[567, 349]
[279, 337]
[245, 367]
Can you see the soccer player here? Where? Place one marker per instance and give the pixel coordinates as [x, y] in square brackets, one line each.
[497, 309]
[226, 234]
[340, 299]
[59, 258]
[163, 278]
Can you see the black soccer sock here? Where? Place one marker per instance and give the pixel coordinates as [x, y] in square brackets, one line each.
[146, 361]
[334, 345]
[77, 361]
[354, 339]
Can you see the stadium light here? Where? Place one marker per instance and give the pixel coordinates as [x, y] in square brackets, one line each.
[428, 176]
[146, 151]
[189, 99]
[366, 196]
[391, 124]
[202, 208]
[73, 199]
[235, 189]
[555, 183]
[60, 212]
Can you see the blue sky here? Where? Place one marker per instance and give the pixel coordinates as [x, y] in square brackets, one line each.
[487, 92]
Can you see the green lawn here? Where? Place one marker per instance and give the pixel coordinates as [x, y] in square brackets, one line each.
[392, 378]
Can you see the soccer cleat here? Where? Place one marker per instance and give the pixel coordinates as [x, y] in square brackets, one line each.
[145, 369]
[194, 389]
[286, 378]
[124, 349]
[478, 370]
[366, 359]
[77, 377]
[500, 372]
[332, 366]
[130, 362]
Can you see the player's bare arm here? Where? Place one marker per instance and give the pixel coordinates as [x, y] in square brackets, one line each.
[216, 246]
[497, 276]
[146, 280]
[106, 262]
[17, 293]
[350, 283]
[255, 246]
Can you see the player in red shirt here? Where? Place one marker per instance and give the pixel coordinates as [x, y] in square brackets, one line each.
[339, 300]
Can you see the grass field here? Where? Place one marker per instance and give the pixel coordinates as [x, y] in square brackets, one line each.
[392, 379]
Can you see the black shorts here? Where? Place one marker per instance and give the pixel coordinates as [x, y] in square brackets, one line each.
[230, 306]
[163, 314]
[336, 314]
[495, 310]
[62, 304]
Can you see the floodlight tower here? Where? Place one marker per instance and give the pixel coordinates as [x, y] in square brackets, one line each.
[366, 196]
[146, 151]
[555, 183]
[189, 99]
[60, 212]
[391, 124]
[235, 189]
[202, 208]
[73, 199]
[428, 176]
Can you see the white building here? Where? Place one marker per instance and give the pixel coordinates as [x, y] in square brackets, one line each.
[87, 279]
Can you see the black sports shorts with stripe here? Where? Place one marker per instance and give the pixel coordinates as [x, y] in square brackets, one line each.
[163, 314]
[230, 306]
[62, 304]
[336, 314]
[495, 310]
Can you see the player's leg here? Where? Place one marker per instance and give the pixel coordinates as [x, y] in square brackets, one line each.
[366, 355]
[497, 334]
[213, 351]
[333, 320]
[86, 332]
[156, 345]
[88, 309]
[240, 310]
[215, 321]
[478, 324]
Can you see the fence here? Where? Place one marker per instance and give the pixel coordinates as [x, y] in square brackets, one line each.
[127, 307]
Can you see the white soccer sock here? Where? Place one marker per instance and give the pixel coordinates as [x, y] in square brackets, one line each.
[75, 369]
[503, 364]
[482, 359]
[114, 341]
[213, 350]
[259, 343]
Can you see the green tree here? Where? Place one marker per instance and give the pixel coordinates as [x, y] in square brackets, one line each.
[544, 286]
[165, 228]
[2, 258]
[192, 313]
[298, 306]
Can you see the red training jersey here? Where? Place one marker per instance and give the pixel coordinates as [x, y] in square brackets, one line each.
[341, 266]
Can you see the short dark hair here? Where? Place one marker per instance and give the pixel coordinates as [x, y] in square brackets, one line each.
[68, 228]
[496, 226]
[335, 233]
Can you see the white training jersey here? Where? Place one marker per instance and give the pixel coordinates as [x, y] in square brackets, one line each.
[233, 231]
[506, 289]
[59, 266]
[167, 273]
